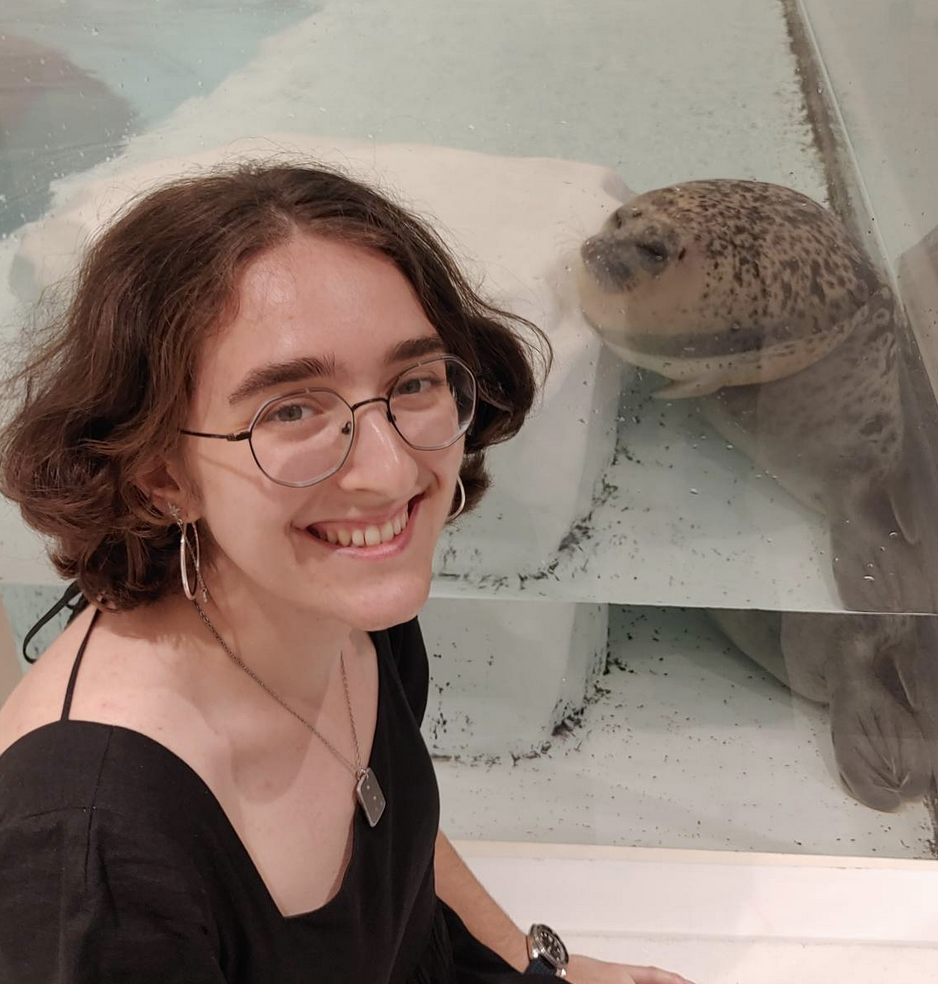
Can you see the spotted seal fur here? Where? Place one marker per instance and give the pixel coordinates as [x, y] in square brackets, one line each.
[724, 283]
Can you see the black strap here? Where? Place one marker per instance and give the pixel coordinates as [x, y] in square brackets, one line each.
[540, 966]
[72, 594]
[73, 676]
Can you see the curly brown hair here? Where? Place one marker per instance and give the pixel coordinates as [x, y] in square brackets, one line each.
[107, 387]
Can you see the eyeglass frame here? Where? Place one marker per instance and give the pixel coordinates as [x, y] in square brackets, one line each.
[245, 435]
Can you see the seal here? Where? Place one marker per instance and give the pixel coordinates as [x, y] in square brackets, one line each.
[757, 301]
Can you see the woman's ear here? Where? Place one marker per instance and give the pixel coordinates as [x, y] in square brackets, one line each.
[163, 484]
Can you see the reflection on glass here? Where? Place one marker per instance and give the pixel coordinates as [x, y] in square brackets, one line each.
[48, 103]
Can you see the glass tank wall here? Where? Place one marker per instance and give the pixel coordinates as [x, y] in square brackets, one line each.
[697, 607]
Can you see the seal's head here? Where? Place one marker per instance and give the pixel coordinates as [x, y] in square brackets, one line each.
[723, 283]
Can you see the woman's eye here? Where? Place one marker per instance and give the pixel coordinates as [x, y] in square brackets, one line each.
[415, 384]
[289, 413]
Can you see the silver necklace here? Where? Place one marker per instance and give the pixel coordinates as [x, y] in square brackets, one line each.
[367, 789]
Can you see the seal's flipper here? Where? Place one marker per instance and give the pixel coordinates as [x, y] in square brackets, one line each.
[875, 567]
[879, 747]
[902, 498]
[915, 661]
[908, 663]
[685, 389]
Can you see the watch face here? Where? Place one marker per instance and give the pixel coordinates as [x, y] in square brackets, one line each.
[549, 945]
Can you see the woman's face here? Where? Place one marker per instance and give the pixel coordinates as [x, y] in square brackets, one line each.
[353, 318]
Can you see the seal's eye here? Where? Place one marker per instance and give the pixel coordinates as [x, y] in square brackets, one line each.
[653, 251]
[616, 219]
[682, 253]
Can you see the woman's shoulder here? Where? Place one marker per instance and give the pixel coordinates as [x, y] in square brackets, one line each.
[85, 768]
[129, 679]
[121, 726]
[39, 697]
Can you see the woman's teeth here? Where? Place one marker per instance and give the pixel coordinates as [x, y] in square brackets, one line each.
[369, 536]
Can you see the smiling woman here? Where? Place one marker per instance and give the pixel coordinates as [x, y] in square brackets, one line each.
[235, 788]
[295, 313]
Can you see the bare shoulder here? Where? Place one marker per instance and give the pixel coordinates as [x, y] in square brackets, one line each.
[38, 698]
[130, 676]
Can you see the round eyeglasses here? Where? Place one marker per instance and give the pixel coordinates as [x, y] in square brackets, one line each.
[303, 438]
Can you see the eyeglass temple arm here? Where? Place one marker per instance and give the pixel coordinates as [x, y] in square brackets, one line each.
[237, 436]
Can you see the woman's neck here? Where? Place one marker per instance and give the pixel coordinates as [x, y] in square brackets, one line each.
[295, 652]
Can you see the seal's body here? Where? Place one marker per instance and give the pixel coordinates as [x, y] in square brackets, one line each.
[758, 301]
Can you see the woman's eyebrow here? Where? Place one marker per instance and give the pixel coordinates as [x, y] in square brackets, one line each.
[275, 373]
[415, 348]
[310, 367]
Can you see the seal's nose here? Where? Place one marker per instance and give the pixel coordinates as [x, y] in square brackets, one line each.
[590, 249]
[606, 262]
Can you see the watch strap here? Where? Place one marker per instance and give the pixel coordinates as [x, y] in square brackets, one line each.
[540, 966]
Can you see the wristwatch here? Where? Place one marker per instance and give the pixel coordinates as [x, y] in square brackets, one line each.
[546, 951]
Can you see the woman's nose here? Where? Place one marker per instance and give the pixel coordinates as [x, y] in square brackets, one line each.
[379, 457]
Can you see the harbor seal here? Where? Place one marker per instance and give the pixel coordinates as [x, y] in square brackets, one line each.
[758, 302]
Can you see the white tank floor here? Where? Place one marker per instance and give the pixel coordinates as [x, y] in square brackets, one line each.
[690, 745]
[726, 919]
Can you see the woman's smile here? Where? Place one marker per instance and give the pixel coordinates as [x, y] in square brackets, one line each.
[368, 541]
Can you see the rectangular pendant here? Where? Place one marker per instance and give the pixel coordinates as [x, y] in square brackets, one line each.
[370, 797]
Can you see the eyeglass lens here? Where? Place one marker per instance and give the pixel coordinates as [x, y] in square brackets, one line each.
[305, 437]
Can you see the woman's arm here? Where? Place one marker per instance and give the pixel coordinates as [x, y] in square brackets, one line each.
[459, 888]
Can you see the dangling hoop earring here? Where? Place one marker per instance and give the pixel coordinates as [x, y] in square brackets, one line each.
[185, 548]
[462, 499]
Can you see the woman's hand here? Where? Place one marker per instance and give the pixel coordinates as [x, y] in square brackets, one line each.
[587, 970]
